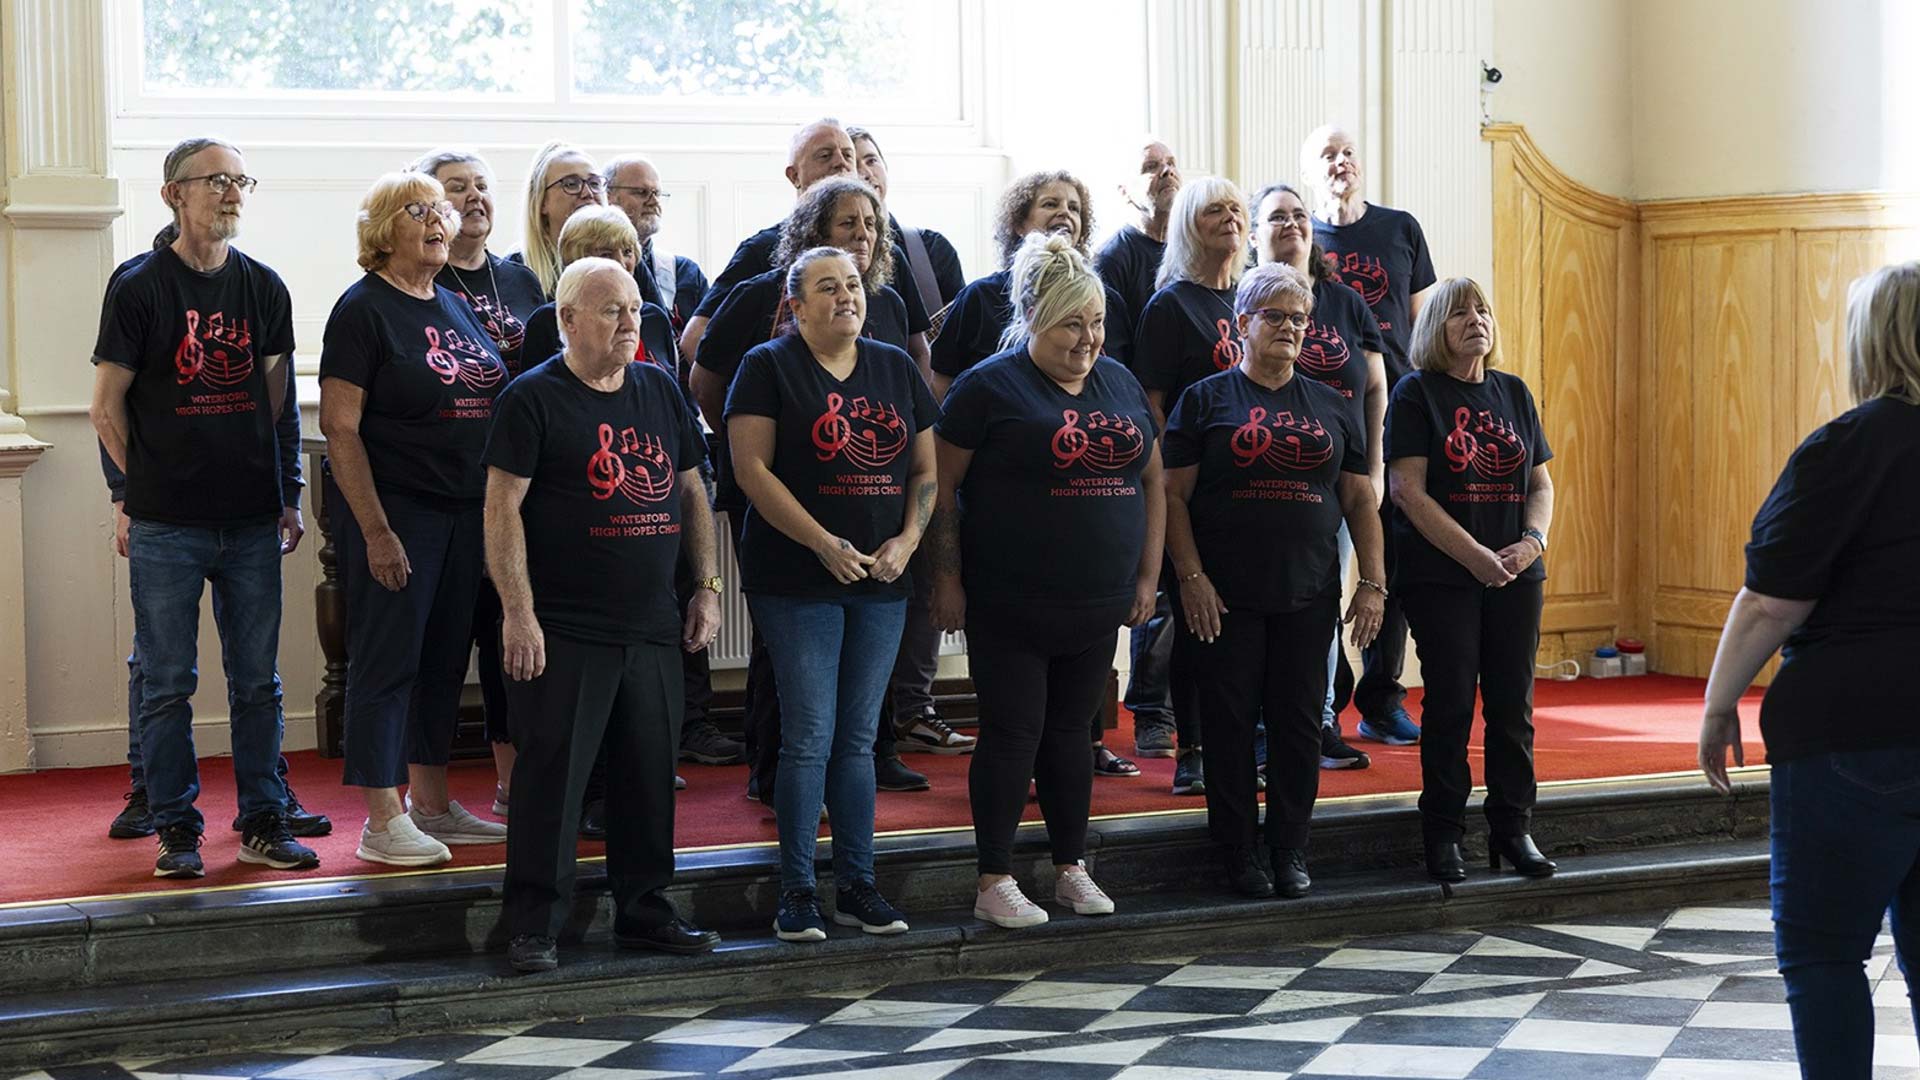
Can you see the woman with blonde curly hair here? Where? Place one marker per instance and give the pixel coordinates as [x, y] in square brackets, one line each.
[407, 380]
[1039, 202]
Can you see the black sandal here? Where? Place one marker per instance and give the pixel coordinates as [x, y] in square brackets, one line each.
[1108, 763]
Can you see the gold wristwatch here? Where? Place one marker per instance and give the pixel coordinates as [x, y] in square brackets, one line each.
[713, 583]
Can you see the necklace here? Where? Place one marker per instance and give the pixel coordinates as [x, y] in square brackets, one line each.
[493, 300]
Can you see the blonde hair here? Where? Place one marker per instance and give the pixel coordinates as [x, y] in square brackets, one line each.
[1427, 350]
[1883, 334]
[543, 254]
[1184, 248]
[1270, 281]
[380, 211]
[1051, 280]
[593, 227]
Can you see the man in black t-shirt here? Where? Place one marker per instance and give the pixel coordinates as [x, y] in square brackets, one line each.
[593, 481]
[1382, 254]
[1130, 258]
[673, 282]
[932, 263]
[188, 384]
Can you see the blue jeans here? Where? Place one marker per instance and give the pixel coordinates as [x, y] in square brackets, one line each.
[1846, 848]
[1149, 695]
[831, 661]
[1327, 717]
[169, 564]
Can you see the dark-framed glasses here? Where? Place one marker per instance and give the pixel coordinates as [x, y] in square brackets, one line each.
[573, 185]
[420, 211]
[645, 194]
[220, 182]
[1275, 318]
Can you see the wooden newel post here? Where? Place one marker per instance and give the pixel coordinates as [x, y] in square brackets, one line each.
[329, 612]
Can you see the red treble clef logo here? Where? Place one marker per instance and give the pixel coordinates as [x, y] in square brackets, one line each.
[605, 470]
[1227, 351]
[444, 364]
[1251, 439]
[188, 358]
[1460, 445]
[831, 432]
[1069, 442]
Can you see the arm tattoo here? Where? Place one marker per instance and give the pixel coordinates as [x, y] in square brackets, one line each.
[923, 503]
[943, 541]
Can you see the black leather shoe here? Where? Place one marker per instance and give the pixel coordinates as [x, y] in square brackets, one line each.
[678, 936]
[300, 821]
[593, 820]
[532, 952]
[1520, 852]
[892, 774]
[1290, 872]
[1445, 862]
[1244, 874]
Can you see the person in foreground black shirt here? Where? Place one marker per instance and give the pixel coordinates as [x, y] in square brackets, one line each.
[1047, 439]
[831, 437]
[593, 488]
[1264, 466]
[1831, 585]
[1467, 465]
[188, 385]
[1130, 259]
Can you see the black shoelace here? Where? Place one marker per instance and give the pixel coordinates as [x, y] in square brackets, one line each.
[176, 838]
[269, 828]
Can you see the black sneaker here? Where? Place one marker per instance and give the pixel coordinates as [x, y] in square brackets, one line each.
[266, 841]
[860, 904]
[1336, 754]
[704, 743]
[593, 820]
[300, 822]
[1189, 774]
[1243, 873]
[892, 774]
[134, 820]
[179, 853]
[533, 952]
[799, 918]
[1152, 738]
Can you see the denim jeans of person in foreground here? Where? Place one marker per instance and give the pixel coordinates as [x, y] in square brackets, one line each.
[1149, 652]
[832, 660]
[1846, 850]
[169, 566]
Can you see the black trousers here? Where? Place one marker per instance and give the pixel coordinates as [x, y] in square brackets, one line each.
[1272, 667]
[1379, 690]
[1039, 674]
[493, 679]
[1183, 669]
[696, 679]
[629, 695]
[1487, 638]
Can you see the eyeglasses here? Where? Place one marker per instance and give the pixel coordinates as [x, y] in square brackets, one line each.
[220, 182]
[572, 185]
[1275, 318]
[646, 194]
[418, 211]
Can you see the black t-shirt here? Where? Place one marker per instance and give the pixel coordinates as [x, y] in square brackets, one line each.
[1384, 257]
[201, 445]
[1128, 262]
[602, 515]
[430, 373]
[1266, 499]
[843, 448]
[657, 346]
[1052, 510]
[754, 257]
[979, 315]
[1341, 335]
[689, 286]
[1187, 333]
[1840, 528]
[746, 321]
[1481, 441]
[503, 295]
[941, 256]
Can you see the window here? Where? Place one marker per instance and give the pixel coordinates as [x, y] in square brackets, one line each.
[898, 57]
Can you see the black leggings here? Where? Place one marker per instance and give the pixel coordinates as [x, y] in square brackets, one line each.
[1039, 673]
[1489, 637]
[1271, 666]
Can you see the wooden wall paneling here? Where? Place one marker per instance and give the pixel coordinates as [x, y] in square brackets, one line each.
[1666, 368]
[1825, 263]
[1576, 387]
[1734, 384]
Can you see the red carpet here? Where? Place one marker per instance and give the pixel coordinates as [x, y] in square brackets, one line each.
[55, 822]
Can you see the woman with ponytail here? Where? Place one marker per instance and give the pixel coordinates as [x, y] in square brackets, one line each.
[1047, 439]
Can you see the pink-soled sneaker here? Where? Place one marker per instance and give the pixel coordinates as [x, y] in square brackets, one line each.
[1005, 905]
[1073, 887]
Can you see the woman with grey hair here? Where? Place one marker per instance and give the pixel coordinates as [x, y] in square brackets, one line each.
[1046, 439]
[502, 293]
[1187, 333]
[1262, 466]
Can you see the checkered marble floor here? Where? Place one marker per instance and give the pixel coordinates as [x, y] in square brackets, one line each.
[1688, 994]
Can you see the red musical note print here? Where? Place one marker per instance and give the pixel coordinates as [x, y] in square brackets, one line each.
[190, 355]
[1227, 351]
[454, 357]
[1490, 445]
[215, 350]
[1284, 442]
[1324, 352]
[605, 470]
[1250, 440]
[1105, 444]
[1364, 274]
[831, 432]
[640, 468]
[869, 435]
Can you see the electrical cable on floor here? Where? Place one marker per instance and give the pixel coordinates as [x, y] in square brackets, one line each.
[1563, 671]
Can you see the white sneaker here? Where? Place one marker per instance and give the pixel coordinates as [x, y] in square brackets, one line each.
[403, 844]
[1005, 905]
[499, 801]
[1074, 888]
[459, 826]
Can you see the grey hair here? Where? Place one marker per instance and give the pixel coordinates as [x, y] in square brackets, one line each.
[174, 169]
[611, 169]
[433, 162]
[1051, 280]
[1182, 259]
[799, 140]
[1271, 281]
[573, 282]
[857, 133]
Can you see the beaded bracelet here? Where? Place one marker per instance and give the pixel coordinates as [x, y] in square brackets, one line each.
[1375, 586]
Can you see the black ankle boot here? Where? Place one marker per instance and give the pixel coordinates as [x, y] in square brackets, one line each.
[1244, 873]
[1445, 862]
[1290, 872]
[1520, 852]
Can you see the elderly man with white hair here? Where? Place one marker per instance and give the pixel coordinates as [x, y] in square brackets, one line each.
[593, 485]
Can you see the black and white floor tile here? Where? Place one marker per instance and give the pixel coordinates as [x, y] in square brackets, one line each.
[1677, 995]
